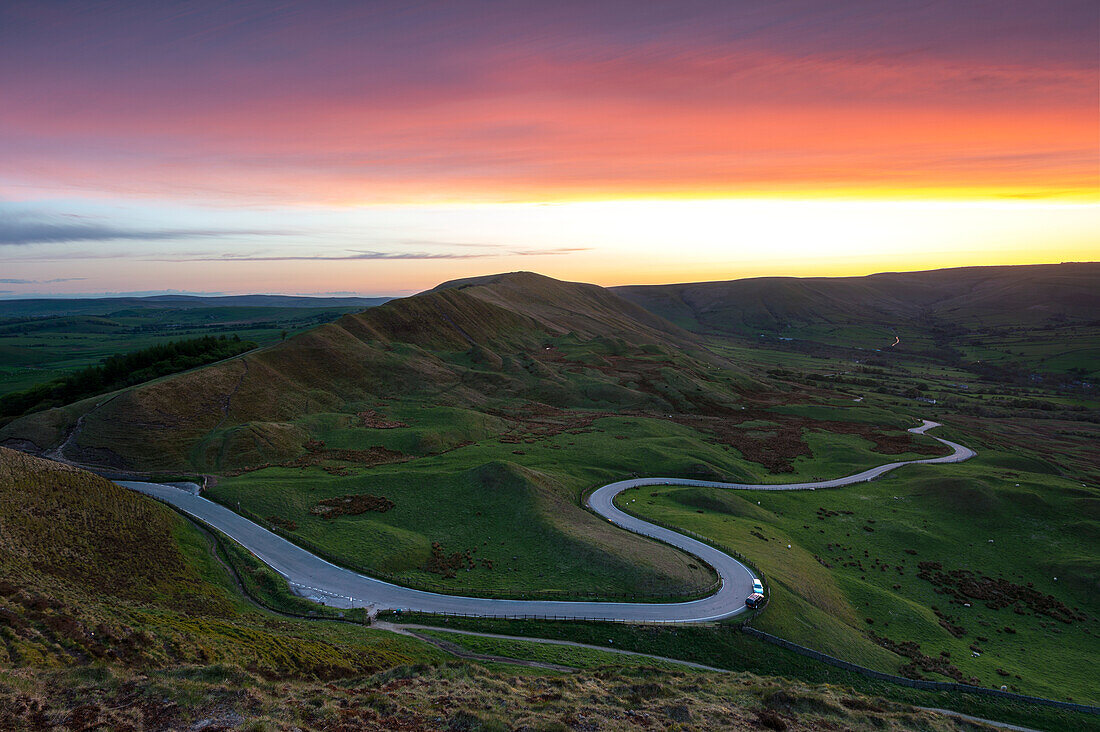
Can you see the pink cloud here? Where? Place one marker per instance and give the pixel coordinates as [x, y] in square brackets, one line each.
[388, 102]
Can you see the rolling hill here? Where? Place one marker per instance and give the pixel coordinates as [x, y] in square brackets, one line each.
[433, 399]
[482, 407]
[502, 340]
[102, 306]
[968, 296]
[479, 413]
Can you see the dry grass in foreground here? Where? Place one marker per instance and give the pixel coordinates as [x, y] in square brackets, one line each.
[454, 696]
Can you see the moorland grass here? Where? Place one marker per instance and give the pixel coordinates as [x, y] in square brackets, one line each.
[725, 646]
[455, 695]
[854, 557]
[91, 573]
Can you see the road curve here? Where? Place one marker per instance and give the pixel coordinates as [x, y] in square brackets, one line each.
[335, 586]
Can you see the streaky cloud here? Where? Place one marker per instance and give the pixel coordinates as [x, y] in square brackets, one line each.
[375, 255]
[556, 250]
[328, 258]
[22, 229]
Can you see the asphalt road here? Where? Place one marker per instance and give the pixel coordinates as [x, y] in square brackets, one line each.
[334, 586]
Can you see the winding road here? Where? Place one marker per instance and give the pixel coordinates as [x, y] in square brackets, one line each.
[326, 583]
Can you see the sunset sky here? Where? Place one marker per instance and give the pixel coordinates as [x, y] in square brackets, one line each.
[380, 148]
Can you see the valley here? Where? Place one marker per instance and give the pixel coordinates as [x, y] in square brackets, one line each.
[322, 582]
[549, 367]
[453, 443]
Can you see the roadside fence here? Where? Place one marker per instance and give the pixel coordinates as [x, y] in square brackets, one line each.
[530, 616]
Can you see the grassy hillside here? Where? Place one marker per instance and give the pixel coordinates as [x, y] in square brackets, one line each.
[586, 310]
[115, 615]
[1040, 317]
[480, 409]
[961, 564]
[512, 498]
[91, 573]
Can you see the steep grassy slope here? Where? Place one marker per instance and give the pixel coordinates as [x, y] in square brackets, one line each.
[91, 573]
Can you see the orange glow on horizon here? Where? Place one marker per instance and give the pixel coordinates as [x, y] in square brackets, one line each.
[386, 147]
[621, 242]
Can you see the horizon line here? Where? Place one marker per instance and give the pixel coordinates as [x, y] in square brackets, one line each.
[150, 294]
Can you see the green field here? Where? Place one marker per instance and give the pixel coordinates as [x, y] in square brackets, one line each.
[970, 517]
[35, 350]
[514, 504]
[574, 656]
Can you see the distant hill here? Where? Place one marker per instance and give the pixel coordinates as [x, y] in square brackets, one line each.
[967, 297]
[106, 305]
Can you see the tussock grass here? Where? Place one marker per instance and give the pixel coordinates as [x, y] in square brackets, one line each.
[456, 696]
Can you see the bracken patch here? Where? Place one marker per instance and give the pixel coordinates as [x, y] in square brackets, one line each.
[351, 505]
[964, 585]
[376, 421]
